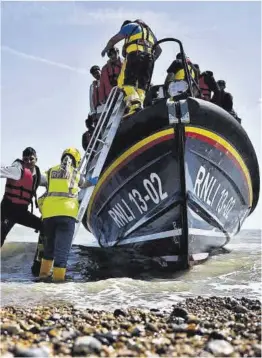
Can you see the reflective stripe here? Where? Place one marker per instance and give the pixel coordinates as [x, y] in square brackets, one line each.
[71, 185]
[142, 41]
[135, 47]
[180, 75]
[64, 195]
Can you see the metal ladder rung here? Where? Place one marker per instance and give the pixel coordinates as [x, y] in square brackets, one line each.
[106, 129]
[98, 152]
[92, 151]
[110, 121]
[92, 168]
[101, 141]
[104, 138]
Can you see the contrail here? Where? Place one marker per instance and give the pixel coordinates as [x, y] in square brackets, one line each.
[43, 60]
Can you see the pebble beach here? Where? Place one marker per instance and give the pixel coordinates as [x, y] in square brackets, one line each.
[195, 327]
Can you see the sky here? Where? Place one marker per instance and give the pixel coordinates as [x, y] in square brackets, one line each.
[47, 49]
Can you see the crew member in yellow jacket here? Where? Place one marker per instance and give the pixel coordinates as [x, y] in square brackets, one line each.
[59, 211]
[139, 61]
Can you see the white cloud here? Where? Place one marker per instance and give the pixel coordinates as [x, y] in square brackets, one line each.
[43, 60]
[161, 22]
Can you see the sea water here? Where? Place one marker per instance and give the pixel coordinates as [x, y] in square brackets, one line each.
[100, 283]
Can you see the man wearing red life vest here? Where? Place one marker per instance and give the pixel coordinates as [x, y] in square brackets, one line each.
[109, 74]
[23, 178]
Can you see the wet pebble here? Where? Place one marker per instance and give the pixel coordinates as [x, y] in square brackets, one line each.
[56, 317]
[217, 335]
[105, 338]
[31, 352]
[151, 327]
[219, 347]
[257, 349]
[240, 309]
[11, 328]
[119, 312]
[87, 345]
[179, 312]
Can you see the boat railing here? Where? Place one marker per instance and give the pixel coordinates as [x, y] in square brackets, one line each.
[188, 78]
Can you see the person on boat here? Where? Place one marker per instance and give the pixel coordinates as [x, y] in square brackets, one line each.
[226, 100]
[139, 61]
[90, 123]
[23, 179]
[208, 86]
[176, 72]
[197, 72]
[110, 74]
[95, 105]
[59, 212]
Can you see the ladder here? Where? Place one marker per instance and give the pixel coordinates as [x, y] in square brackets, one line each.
[95, 156]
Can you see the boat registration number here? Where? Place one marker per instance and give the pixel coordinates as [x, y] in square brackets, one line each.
[208, 189]
[138, 202]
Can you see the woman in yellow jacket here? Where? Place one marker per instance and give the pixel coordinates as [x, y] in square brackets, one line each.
[59, 211]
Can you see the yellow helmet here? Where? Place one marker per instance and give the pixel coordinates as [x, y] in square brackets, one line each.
[74, 153]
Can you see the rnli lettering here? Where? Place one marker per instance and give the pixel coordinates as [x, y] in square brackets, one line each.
[138, 202]
[121, 214]
[207, 189]
[60, 174]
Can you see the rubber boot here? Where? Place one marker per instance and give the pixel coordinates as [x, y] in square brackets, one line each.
[45, 269]
[132, 109]
[142, 95]
[59, 274]
[130, 94]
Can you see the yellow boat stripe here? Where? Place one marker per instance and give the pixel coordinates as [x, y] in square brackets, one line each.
[218, 142]
[126, 155]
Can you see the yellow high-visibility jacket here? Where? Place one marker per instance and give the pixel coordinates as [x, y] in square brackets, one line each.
[142, 41]
[62, 192]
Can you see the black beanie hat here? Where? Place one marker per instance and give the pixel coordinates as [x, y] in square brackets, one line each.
[29, 151]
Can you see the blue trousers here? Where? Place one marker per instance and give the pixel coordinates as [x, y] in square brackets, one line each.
[59, 232]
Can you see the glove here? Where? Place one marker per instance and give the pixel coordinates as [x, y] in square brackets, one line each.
[93, 181]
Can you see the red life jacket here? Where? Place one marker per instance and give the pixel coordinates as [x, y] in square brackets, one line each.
[22, 191]
[205, 91]
[108, 80]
